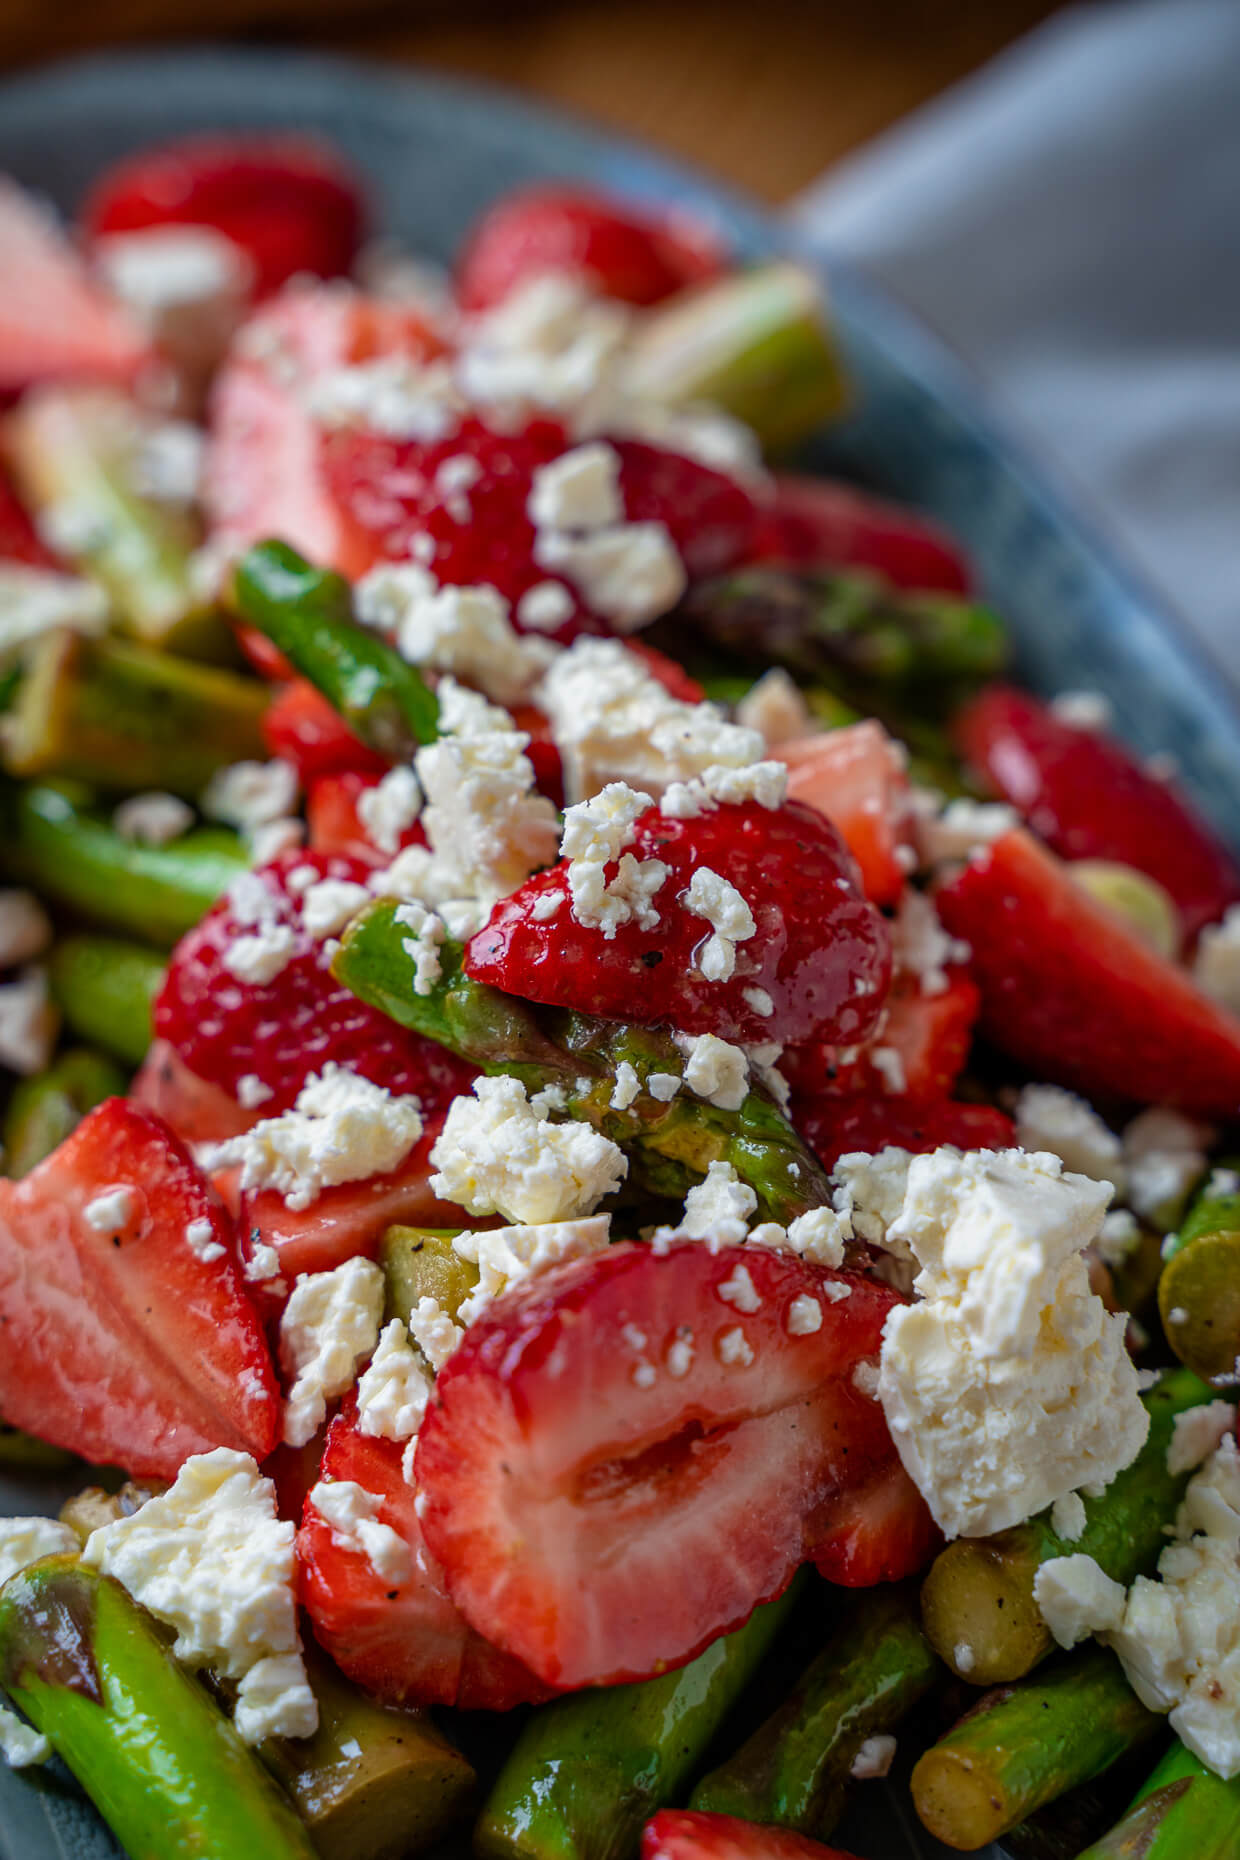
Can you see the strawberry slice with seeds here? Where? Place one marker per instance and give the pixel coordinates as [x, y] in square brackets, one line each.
[817, 965]
[836, 1126]
[881, 1531]
[1072, 992]
[638, 258]
[857, 777]
[623, 1459]
[1090, 798]
[921, 1045]
[406, 1642]
[127, 1337]
[197, 1111]
[687, 1834]
[227, 1028]
[813, 523]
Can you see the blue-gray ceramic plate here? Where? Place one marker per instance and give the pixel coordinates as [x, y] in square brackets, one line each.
[436, 152]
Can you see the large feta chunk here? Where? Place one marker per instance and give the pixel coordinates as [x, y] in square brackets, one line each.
[497, 1155]
[629, 573]
[715, 1069]
[716, 899]
[580, 490]
[462, 630]
[506, 1255]
[329, 1324]
[394, 1389]
[25, 1540]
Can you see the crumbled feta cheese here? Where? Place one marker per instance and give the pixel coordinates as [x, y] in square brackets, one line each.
[551, 342]
[595, 834]
[763, 782]
[35, 601]
[462, 630]
[423, 946]
[25, 928]
[819, 1236]
[715, 1070]
[389, 809]
[888, 1062]
[168, 463]
[613, 721]
[434, 1332]
[25, 1540]
[341, 1129]
[391, 394]
[1083, 710]
[1049, 1118]
[21, 1745]
[664, 1086]
[921, 947]
[580, 490]
[1217, 964]
[717, 900]
[759, 1000]
[1165, 1153]
[1117, 1237]
[212, 1560]
[545, 607]
[718, 1209]
[506, 1255]
[680, 1354]
[627, 1087]
[1008, 1385]
[153, 819]
[804, 1316]
[865, 1377]
[947, 834]
[29, 1023]
[251, 1091]
[189, 285]
[394, 1388]
[775, 708]
[868, 1193]
[733, 1348]
[353, 1514]
[329, 1324]
[1223, 1182]
[629, 573]
[250, 794]
[112, 1211]
[259, 958]
[329, 904]
[263, 1263]
[274, 837]
[1076, 1597]
[739, 1289]
[874, 1758]
[496, 1156]
[1196, 1432]
[1068, 1518]
[201, 1241]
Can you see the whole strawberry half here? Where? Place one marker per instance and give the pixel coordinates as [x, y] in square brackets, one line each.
[819, 957]
[619, 251]
[621, 1461]
[226, 1029]
[685, 1834]
[408, 1643]
[121, 1341]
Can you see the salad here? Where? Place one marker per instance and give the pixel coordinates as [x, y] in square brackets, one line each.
[617, 1149]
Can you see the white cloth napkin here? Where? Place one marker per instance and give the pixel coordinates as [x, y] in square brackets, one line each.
[1068, 219]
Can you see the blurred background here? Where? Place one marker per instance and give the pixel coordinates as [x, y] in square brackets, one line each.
[768, 94]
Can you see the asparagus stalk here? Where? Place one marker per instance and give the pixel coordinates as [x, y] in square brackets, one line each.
[75, 452]
[1024, 1745]
[418, 1262]
[670, 1146]
[590, 1769]
[45, 1109]
[757, 343]
[162, 1764]
[105, 989]
[1199, 1292]
[1184, 1812]
[308, 613]
[977, 1602]
[125, 716]
[51, 840]
[793, 1772]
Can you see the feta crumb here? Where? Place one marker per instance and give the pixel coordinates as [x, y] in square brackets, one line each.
[464, 630]
[394, 1389]
[25, 928]
[1068, 1517]
[25, 1540]
[733, 1348]
[353, 1514]
[496, 1156]
[595, 834]
[392, 394]
[274, 838]
[715, 1070]
[251, 1091]
[718, 786]
[341, 1129]
[1008, 1344]
[21, 1745]
[153, 819]
[627, 1087]
[422, 948]
[211, 1559]
[545, 607]
[889, 1064]
[874, 1758]
[718, 1208]
[819, 1236]
[258, 958]
[434, 1331]
[865, 1378]
[1083, 710]
[36, 601]
[329, 1324]
[250, 794]
[329, 904]
[263, 1263]
[664, 1086]
[759, 1000]
[868, 1193]
[580, 490]
[29, 1023]
[680, 1353]
[717, 900]
[1049, 1118]
[189, 285]
[168, 462]
[776, 709]
[112, 1211]
[551, 342]
[921, 947]
[1166, 1154]
[629, 573]
[1118, 1236]
[201, 1241]
[1196, 1432]
[506, 1255]
[1076, 1597]
[804, 1316]
[948, 834]
[738, 1289]
[1217, 965]
[390, 808]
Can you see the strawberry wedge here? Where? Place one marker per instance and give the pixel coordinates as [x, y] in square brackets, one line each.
[127, 1337]
[621, 1462]
[405, 1640]
[683, 1834]
[1070, 991]
[857, 777]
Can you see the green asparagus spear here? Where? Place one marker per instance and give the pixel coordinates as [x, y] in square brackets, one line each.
[793, 1772]
[50, 839]
[670, 1145]
[590, 1769]
[125, 716]
[1184, 1812]
[44, 1110]
[308, 613]
[162, 1764]
[1199, 1292]
[977, 1601]
[1024, 1745]
[418, 1262]
[757, 343]
[76, 452]
[105, 989]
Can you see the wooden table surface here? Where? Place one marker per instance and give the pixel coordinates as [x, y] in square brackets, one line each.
[767, 94]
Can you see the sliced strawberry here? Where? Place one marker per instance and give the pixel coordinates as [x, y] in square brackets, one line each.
[838, 1126]
[1090, 798]
[121, 1342]
[197, 1111]
[605, 1504]
[857, 777]
[54, 322]
[293, 1470]
[19, 540]
[303, 727]
[813, 523]
[685, 1834]
[929, 1035]
[409, 1644]
[335, 825]
[819, 951]
[280, 1031]
[289, 202]
[881, 1531]
[1075, 995]
[262, 655]
[619, 251]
